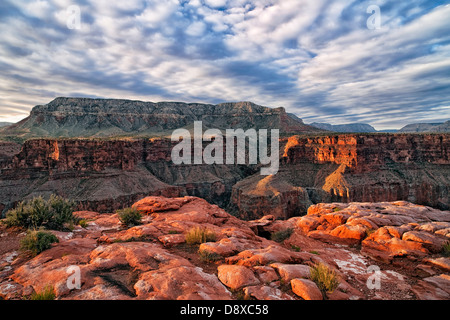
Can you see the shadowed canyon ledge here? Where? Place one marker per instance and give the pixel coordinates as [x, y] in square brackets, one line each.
[104, 175]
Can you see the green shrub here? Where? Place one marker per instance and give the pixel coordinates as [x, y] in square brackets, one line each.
[129, 216]
[325, 278]
[200, 235]
[282, 235]
[37, 241]
[47, 294]
[83, 223]
[55, 214]
[446, 249]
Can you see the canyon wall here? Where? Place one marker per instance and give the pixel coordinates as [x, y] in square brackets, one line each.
[105, 175]
[347, 168]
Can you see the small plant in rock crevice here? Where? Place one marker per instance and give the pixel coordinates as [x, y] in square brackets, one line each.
[325, 278]
[199, 235]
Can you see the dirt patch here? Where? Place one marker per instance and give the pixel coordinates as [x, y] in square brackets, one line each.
[10, 239]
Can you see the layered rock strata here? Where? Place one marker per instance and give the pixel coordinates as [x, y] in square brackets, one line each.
[347, 168]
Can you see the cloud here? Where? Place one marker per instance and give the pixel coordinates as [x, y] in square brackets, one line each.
[316, 58]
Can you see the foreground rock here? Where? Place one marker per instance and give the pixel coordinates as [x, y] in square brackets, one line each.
[152, 260]
[411, 242]
[349, 168]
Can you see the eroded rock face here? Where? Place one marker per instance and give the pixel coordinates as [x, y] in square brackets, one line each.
[153, 261]
[349, 168]
[105, 175]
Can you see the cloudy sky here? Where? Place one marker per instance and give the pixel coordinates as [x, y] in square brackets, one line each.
[336, 61]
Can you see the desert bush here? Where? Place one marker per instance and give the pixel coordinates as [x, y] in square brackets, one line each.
[55, 214]
[47, 294]
[282, 235]
[37, 241]
[129, 216]
[325, 278]
[83, 223]
[446, 249]
[200, 235]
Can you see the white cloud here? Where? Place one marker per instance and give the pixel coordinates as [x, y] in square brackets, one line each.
[314, 57]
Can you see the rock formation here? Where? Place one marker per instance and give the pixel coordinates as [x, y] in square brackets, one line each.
[83, 117]
[347, 168]
[401, 241]
[105, 175]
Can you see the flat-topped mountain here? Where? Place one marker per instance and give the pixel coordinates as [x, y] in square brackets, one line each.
[346, 128]
[84, 117]
[427, 127]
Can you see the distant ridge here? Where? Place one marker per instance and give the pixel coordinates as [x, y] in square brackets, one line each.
[426, 127]
[85, 117]
[348, 128]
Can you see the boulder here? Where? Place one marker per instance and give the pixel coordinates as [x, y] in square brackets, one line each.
[288, 272]
[180, 283]
[236, 277]
[261, 257]
[306, 289]
[430, 241]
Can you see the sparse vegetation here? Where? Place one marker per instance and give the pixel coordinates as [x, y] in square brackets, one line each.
[337, 209]
[47, 294]
[314, 252]
[369, 232]
[83, 223]
[208, 256]
[325, 278]
[129, 216]
[200, 235]
[282, 235]
[295, 248]
[446, 249]
[54, 214]
[37, 241]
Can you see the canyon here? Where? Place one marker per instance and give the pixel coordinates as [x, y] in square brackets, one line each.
[365, 205]
[108, 174]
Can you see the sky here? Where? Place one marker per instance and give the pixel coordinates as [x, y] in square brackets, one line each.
[382, 62]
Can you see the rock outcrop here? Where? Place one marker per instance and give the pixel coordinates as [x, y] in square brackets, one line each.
[113, 261]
